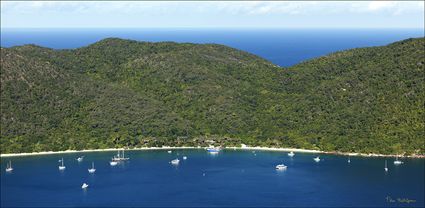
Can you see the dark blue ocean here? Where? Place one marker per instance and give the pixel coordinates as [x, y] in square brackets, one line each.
[284, 47]
[234, 178]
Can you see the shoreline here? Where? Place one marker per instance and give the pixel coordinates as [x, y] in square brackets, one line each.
[199, 147]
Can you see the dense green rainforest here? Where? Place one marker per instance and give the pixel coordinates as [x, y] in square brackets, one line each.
[123, 93]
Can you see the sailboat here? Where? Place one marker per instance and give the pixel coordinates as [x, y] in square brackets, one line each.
[317, 159]
[397, 161]
[62, 167]
[184, 158]
[349, 161]
[386, 168]
[120, 157]
[291, 154]
[9, 167]
[92, 170]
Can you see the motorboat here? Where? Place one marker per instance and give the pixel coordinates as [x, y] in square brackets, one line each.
[281, 167]
[213, 150]
[175, 161]
[397, 161]
[80, 159]
[291, 154]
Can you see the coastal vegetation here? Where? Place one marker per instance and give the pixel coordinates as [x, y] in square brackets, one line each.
[122, 93]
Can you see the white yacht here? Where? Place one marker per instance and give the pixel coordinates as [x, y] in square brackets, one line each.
[92, 169]
[62, 167]
[175, 161]
[386, 168]
[9, 167]
[316, 159]
[113, 163]
[281, 167]
[80, 159]
[397, 161]
[291, 154]
[213, 150]
[84, 186]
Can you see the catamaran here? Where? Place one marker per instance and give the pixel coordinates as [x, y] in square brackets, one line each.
[92, 169]
[62, 167]
[397, 161]
[291, 154]
[120, 157]
[317, 159]
[9, 167]
[386, 168]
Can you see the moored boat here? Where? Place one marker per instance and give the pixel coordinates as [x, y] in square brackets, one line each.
[92, 169]
[62, 166]
[291, 154]
[9, 167]
[175, 161]
[281, 167]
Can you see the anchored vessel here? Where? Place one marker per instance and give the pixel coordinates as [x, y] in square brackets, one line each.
[281, 167]
[62, 167]
[9, 167]
[175, 161]
[397, 161]
[291, 154]
[120, 157]
[92, 169]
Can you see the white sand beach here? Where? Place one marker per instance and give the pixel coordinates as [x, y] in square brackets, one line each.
[244, 147]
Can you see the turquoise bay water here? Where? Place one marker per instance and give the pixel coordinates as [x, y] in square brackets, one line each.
[231, 178]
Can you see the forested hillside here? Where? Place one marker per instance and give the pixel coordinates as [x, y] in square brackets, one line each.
[122, 93]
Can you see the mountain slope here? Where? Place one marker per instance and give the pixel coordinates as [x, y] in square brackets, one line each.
[126, 93]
